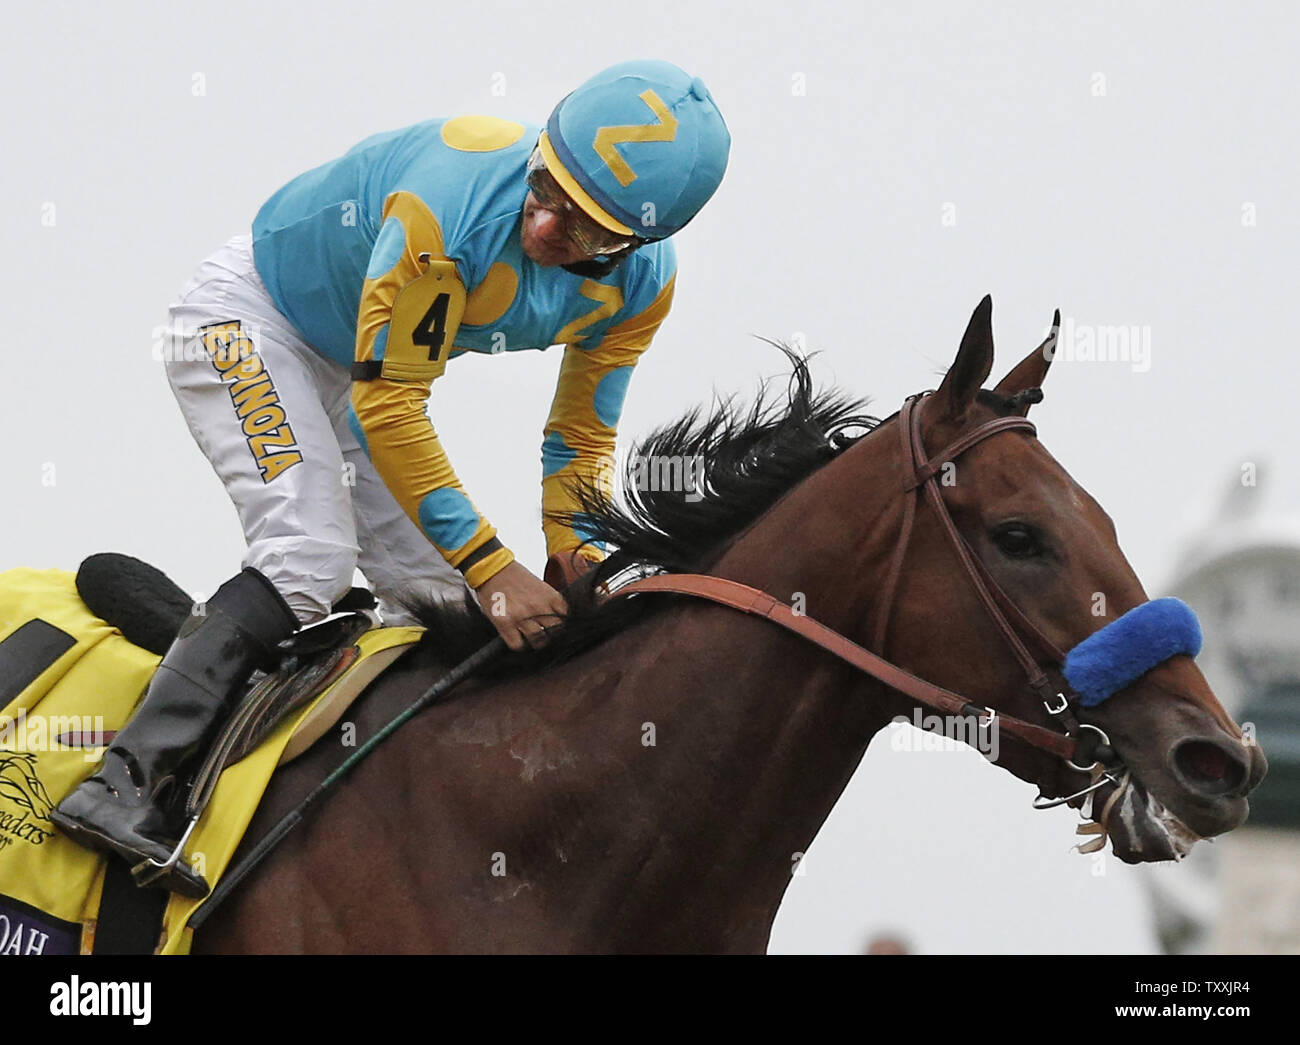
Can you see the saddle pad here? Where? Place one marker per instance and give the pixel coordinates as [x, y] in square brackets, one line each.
[66, 677]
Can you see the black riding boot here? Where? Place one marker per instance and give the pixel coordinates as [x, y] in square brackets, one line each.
[123, 807]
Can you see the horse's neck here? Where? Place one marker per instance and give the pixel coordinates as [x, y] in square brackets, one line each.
[758, 734]
[791, 722]
[658, 792]
[755, 732]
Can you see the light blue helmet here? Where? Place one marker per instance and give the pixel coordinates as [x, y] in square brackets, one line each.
[640, 147]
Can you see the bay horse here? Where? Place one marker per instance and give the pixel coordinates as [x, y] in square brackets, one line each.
[646, 781]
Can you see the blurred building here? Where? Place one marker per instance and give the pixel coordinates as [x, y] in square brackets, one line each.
[1241, 894]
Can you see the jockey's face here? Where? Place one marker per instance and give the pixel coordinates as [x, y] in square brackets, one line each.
[544, 237]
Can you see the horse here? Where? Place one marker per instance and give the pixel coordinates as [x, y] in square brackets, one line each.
[646, 781]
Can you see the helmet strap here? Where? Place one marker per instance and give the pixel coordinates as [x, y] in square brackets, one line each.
[591, 268]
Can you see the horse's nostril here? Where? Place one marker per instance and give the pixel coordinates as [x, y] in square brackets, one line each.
[1209, 768]
[1208, 761]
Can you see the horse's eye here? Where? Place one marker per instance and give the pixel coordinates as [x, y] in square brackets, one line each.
[1017, 541]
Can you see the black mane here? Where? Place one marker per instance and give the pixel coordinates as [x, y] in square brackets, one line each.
[747, 459]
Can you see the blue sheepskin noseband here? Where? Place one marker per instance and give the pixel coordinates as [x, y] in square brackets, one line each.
[1108, 660]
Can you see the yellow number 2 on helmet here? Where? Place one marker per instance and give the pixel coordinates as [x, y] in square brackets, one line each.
[665, 130]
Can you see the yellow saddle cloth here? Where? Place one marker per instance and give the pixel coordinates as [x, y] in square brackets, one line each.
[51, 723]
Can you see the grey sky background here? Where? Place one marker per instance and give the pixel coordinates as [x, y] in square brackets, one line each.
[1103, 158]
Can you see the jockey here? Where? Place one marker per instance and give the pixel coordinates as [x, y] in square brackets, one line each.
[310, 348]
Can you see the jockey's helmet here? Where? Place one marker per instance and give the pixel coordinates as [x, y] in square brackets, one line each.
[639, 147]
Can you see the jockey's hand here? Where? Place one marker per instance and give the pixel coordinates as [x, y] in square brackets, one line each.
[520, 606]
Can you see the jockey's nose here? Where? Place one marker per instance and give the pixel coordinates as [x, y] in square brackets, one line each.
[548, 225]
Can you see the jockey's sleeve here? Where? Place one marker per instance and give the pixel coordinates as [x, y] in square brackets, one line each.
[578, 441]
[412, 302]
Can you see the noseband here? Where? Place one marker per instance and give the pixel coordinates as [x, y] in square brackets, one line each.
[1083, 746]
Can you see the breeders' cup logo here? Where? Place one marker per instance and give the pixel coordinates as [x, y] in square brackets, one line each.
[24, 803]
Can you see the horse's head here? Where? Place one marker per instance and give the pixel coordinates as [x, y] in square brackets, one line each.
[1039, 537]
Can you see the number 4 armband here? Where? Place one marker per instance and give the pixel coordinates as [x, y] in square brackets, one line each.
[426, 315]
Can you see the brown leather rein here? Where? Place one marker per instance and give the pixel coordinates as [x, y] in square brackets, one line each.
[920, 480]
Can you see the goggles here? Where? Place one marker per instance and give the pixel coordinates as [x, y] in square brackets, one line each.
[586, 233]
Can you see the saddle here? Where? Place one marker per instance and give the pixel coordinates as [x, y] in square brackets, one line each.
[76, 654]
[149, 609]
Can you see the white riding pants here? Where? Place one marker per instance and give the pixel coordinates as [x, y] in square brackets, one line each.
[271, 414]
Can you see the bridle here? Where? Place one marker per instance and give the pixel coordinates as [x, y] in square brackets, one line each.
[1084, 747]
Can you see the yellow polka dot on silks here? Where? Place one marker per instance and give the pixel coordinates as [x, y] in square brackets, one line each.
[480, 133]
[489, 301]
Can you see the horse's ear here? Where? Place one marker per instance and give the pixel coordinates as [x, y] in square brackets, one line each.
[974, 361]
[1031, 371]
